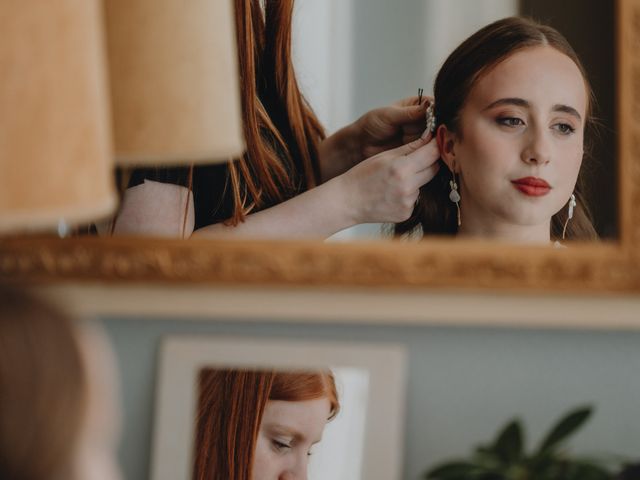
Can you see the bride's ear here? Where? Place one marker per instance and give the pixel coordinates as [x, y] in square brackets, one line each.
[446, 144]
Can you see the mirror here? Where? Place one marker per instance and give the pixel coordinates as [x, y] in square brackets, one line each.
[434, 262]
[375, 80]
[388, 77]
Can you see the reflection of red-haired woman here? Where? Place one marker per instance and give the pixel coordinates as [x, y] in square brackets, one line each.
[292, 181]
[260, 425]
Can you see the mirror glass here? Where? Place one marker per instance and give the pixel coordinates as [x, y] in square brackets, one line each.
[349, 59]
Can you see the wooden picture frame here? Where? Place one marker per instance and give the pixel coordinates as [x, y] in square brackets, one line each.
[183, 357]
[607, 267]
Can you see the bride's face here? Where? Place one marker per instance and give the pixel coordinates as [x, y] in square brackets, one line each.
[287, 434]
[520, 141]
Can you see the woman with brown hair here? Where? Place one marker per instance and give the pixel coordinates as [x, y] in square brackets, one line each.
[58, 416]
[260, 425]
[292, 181]
[512, 104]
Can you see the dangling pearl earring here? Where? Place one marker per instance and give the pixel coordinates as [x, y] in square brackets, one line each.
[572, 205]
[454, 196]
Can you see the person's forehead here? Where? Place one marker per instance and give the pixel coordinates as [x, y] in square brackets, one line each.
[542, 74]
[299, 417]
[279, 409]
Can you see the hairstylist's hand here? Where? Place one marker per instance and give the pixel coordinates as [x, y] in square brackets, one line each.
[390, 127]
[375, 132]
[384, 188]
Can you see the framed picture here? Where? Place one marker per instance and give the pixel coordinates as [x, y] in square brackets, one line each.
[362, 441]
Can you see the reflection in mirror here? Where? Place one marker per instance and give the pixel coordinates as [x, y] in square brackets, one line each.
[512, 109]
[516, 181]
[297, 180]
[596, 21]
[265, 425]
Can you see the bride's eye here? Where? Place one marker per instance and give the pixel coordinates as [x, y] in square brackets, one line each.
[564, 128]
[510, 121]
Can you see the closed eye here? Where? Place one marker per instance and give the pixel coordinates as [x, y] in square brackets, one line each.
[280, 446]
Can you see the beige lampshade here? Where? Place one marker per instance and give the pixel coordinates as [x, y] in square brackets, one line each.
[173, 71]
[55, 141]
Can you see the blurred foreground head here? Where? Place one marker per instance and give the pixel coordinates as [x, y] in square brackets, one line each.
[58, 417]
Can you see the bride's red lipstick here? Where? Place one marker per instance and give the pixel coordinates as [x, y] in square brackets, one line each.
[532, 186]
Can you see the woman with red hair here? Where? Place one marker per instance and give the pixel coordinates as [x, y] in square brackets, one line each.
[260, 425]
[292, 181]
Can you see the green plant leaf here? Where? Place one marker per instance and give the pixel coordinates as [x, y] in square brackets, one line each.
[540, 463]
[457, 470]
[587, 470]
[509, 442]
[568, 425]
[487, 458]
[450, 470]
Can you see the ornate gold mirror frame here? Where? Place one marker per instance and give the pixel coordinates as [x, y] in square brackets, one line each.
[433, 263]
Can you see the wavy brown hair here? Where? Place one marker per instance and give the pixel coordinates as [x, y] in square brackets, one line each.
[279, 126]
[230, 408]
[434, 212]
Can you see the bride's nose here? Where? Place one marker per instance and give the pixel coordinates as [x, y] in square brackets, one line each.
[537, 149]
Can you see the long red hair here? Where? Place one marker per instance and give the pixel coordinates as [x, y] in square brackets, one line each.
[279, 126]
[281, 132]
[230, 408]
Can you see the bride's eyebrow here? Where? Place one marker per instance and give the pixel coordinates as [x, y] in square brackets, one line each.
[567, 109]
[518, 102]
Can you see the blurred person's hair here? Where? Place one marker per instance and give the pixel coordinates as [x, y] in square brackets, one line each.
[43, 389]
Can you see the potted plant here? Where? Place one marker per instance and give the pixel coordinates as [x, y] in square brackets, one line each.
[506, 458]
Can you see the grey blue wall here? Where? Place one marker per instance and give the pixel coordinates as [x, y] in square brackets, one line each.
[463, 383]
[389, 52]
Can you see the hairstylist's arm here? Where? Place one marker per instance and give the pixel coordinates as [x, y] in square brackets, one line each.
[375, 132]
[382, 188]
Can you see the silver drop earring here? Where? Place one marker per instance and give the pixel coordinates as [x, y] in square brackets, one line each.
[454, 196]
[572, 205]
